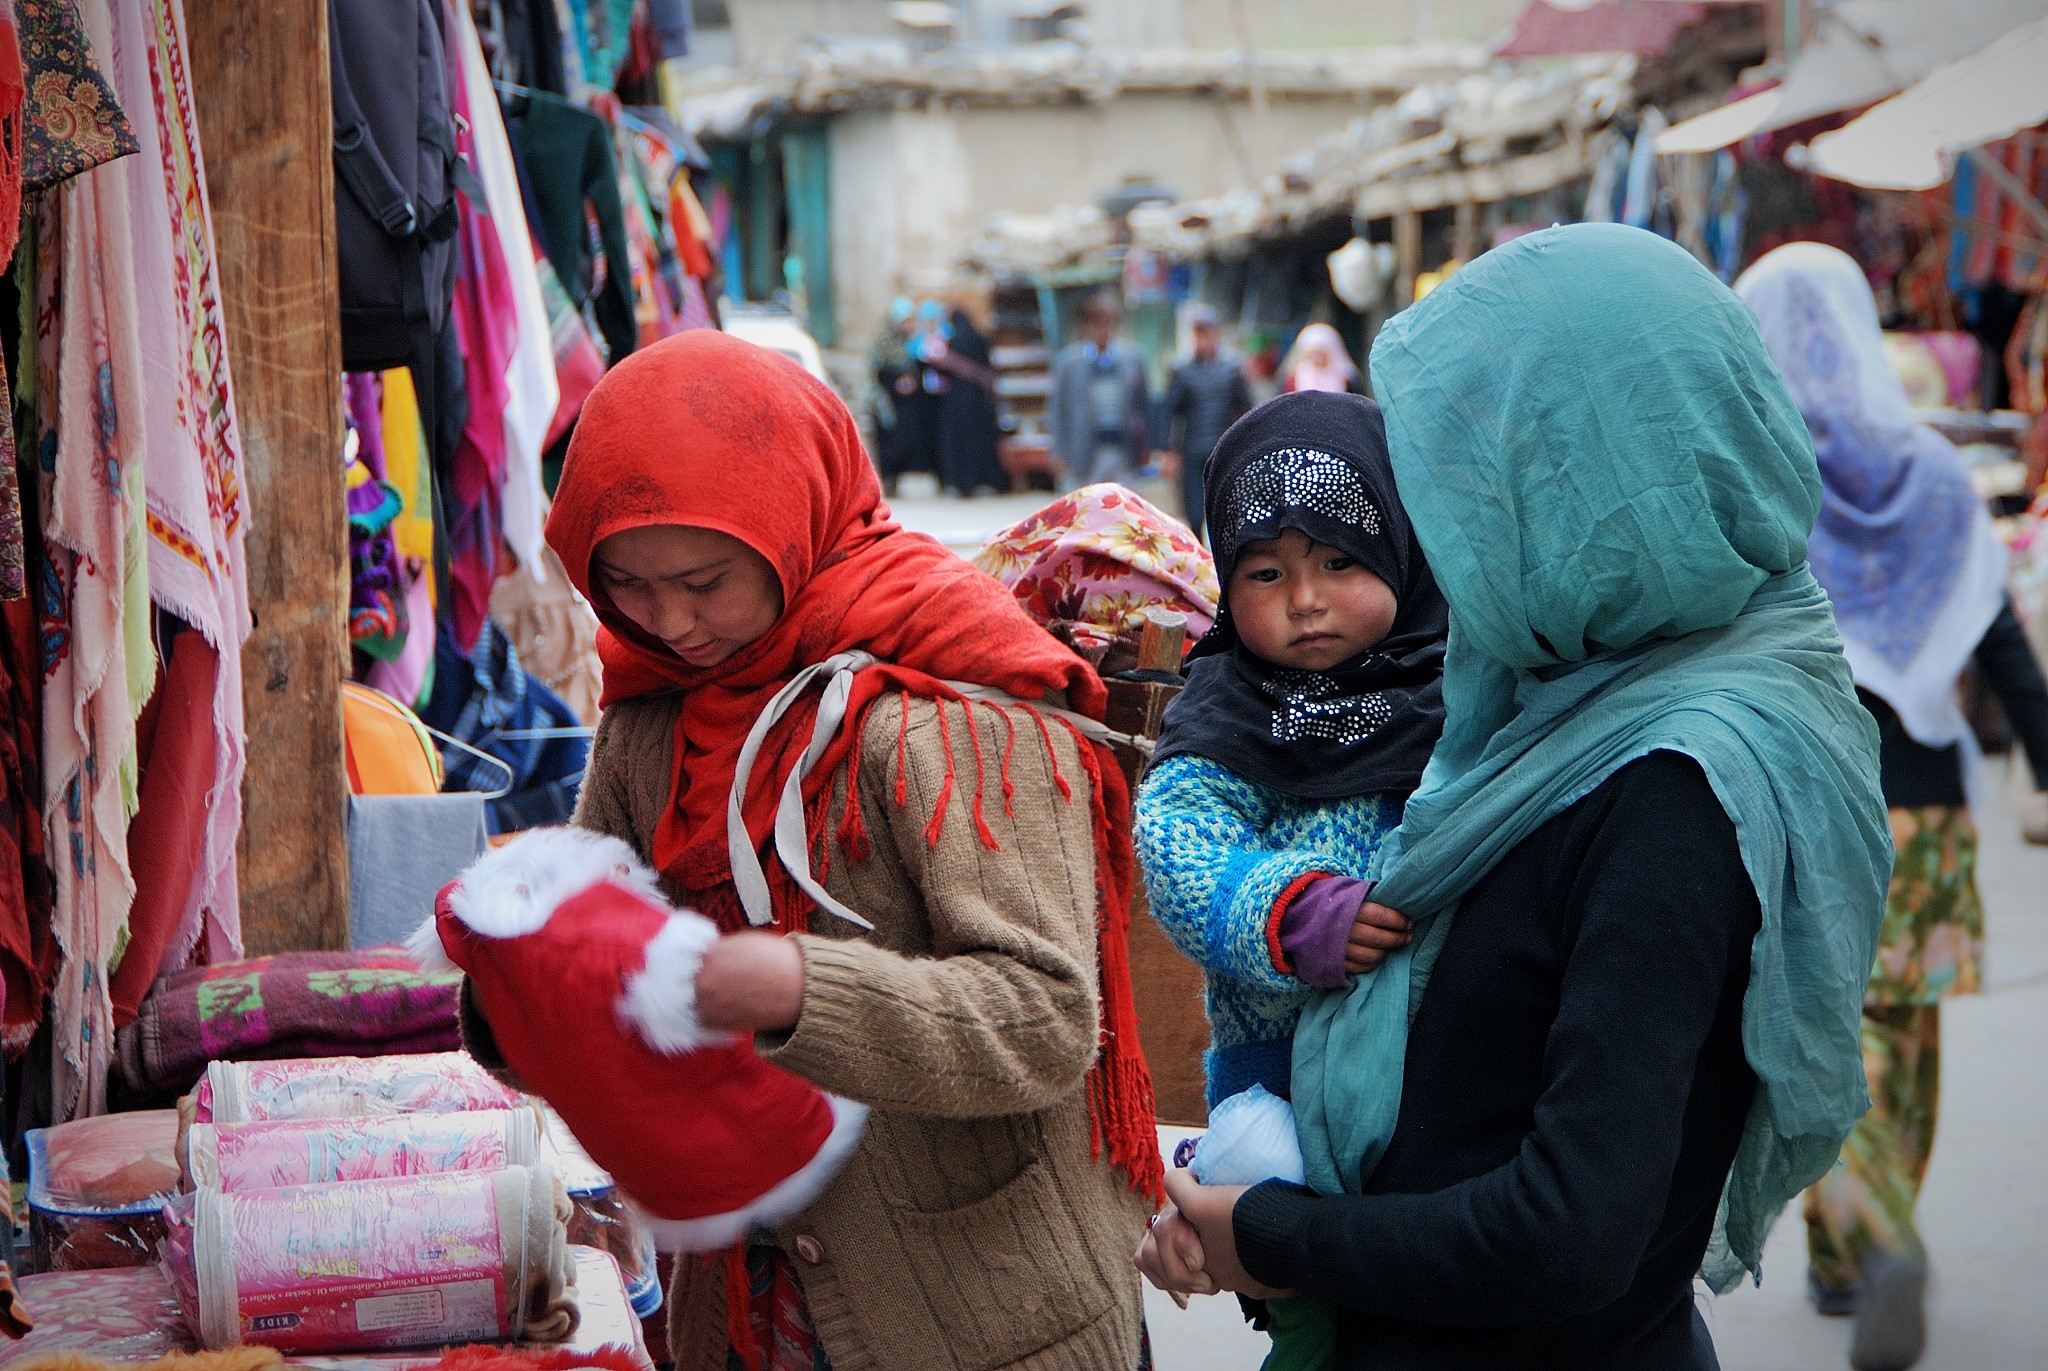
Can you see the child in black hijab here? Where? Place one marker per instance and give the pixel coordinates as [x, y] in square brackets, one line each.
[1311, 708]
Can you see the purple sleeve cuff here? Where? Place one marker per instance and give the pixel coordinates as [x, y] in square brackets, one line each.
[1315, 929]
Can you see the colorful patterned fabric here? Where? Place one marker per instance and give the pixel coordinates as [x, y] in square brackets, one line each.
[74, 122]
[377, 619]
[99, 663]
[1903, 544]
[1218, 853]
[295, 1004]
[784, 1339]
[1863, 1207]
[1933, 940]
[1089, 564]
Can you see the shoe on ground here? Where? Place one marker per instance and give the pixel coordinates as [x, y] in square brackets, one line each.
[1891, 1317]
[1835, 1301]
[2034, 818]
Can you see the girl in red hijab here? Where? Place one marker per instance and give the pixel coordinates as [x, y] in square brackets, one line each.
[857, 755]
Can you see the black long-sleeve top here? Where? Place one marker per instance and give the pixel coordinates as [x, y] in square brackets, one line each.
[1575, 1091]
[1916, 774]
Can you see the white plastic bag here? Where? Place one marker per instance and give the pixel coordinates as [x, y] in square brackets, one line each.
[1251, 1138]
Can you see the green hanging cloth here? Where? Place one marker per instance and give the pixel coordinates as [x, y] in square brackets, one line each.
[1615, 493]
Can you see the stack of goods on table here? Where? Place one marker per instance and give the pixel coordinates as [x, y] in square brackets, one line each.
[341, 1211]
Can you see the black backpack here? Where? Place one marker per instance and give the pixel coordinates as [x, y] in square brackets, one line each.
[396, 173]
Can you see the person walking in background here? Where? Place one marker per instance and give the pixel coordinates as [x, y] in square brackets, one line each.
[1096, 413]
[894, 374]
[1320, 361]
[968, 464]
[1907, 553]
[1207, 395]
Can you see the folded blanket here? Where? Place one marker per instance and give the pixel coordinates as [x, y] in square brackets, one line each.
[295, 1004]
[265, 1156]
[418, 1261]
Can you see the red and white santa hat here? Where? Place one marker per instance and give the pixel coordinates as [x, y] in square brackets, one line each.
[588, 980]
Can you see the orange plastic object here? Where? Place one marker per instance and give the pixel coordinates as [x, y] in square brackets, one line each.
[389, 751]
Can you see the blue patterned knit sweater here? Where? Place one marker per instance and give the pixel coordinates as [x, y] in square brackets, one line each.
[1218, 851]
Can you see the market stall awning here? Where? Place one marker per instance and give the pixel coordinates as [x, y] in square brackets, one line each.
[1861, 51]
[1911, 141]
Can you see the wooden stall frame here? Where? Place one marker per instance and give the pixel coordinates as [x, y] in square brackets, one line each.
[260, 85]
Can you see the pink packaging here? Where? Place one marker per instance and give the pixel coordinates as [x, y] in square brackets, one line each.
[265, 1156]
[348, 1087]
[417, 1261]
[608, 1322]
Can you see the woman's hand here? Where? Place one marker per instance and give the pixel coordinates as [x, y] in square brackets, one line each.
[1378, 931]
[751, 982]
[1191, 1247]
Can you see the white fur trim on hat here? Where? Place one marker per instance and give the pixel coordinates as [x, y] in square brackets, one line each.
[661, 998]
[514, 890]
[784, 1202]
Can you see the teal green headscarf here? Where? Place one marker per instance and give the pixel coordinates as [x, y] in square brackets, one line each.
[1615, 492]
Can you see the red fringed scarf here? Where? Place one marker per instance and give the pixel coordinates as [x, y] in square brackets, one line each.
[704, 430]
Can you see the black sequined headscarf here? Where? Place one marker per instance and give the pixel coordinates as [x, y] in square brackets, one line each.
[1318, 463]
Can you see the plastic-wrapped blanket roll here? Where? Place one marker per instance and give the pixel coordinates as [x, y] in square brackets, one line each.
[96, 1190]
[120, 1316]
[347, 1087]
[417, 1261]
[265, 1156]
[607, 1339]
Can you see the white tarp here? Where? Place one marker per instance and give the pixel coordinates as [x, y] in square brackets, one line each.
[1861, 51]
[1910, 142]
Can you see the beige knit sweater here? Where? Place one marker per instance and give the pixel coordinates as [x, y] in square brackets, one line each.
[972, 1230]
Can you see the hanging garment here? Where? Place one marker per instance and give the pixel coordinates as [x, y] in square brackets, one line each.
[73, 122]
[568, 156]
[532, 392]
[554, 630]
[97, 654]
[406, 466]
[28, 957]
[377, 621]
[193, 466]
[489, 702]
[167, 840]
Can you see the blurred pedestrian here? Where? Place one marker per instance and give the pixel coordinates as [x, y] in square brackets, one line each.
[1206, 396]
[894, 373]
[1320, 361]
[1096, 413]
[1907, 553]
[967, 412]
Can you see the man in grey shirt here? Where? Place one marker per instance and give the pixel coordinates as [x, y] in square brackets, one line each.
[1096, 413]
[1208, 394]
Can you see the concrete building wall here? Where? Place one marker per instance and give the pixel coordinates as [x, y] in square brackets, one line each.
[911, 185]
[773, 31]
[1293, 24]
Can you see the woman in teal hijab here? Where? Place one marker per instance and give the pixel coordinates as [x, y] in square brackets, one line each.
[1646, 865]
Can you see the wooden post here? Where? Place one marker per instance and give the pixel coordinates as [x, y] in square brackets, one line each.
[1465, 231]
[1408, 249]
[259, 80]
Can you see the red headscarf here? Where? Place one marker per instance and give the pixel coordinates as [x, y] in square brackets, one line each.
[704, 430]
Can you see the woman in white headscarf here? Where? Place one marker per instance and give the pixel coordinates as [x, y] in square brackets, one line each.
[1907, 553]
[1320, 361]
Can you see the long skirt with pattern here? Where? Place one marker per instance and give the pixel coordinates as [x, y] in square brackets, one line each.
[782, 1323]
[1932, 946]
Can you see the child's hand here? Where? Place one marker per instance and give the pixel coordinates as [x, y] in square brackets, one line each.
[1378, 931]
